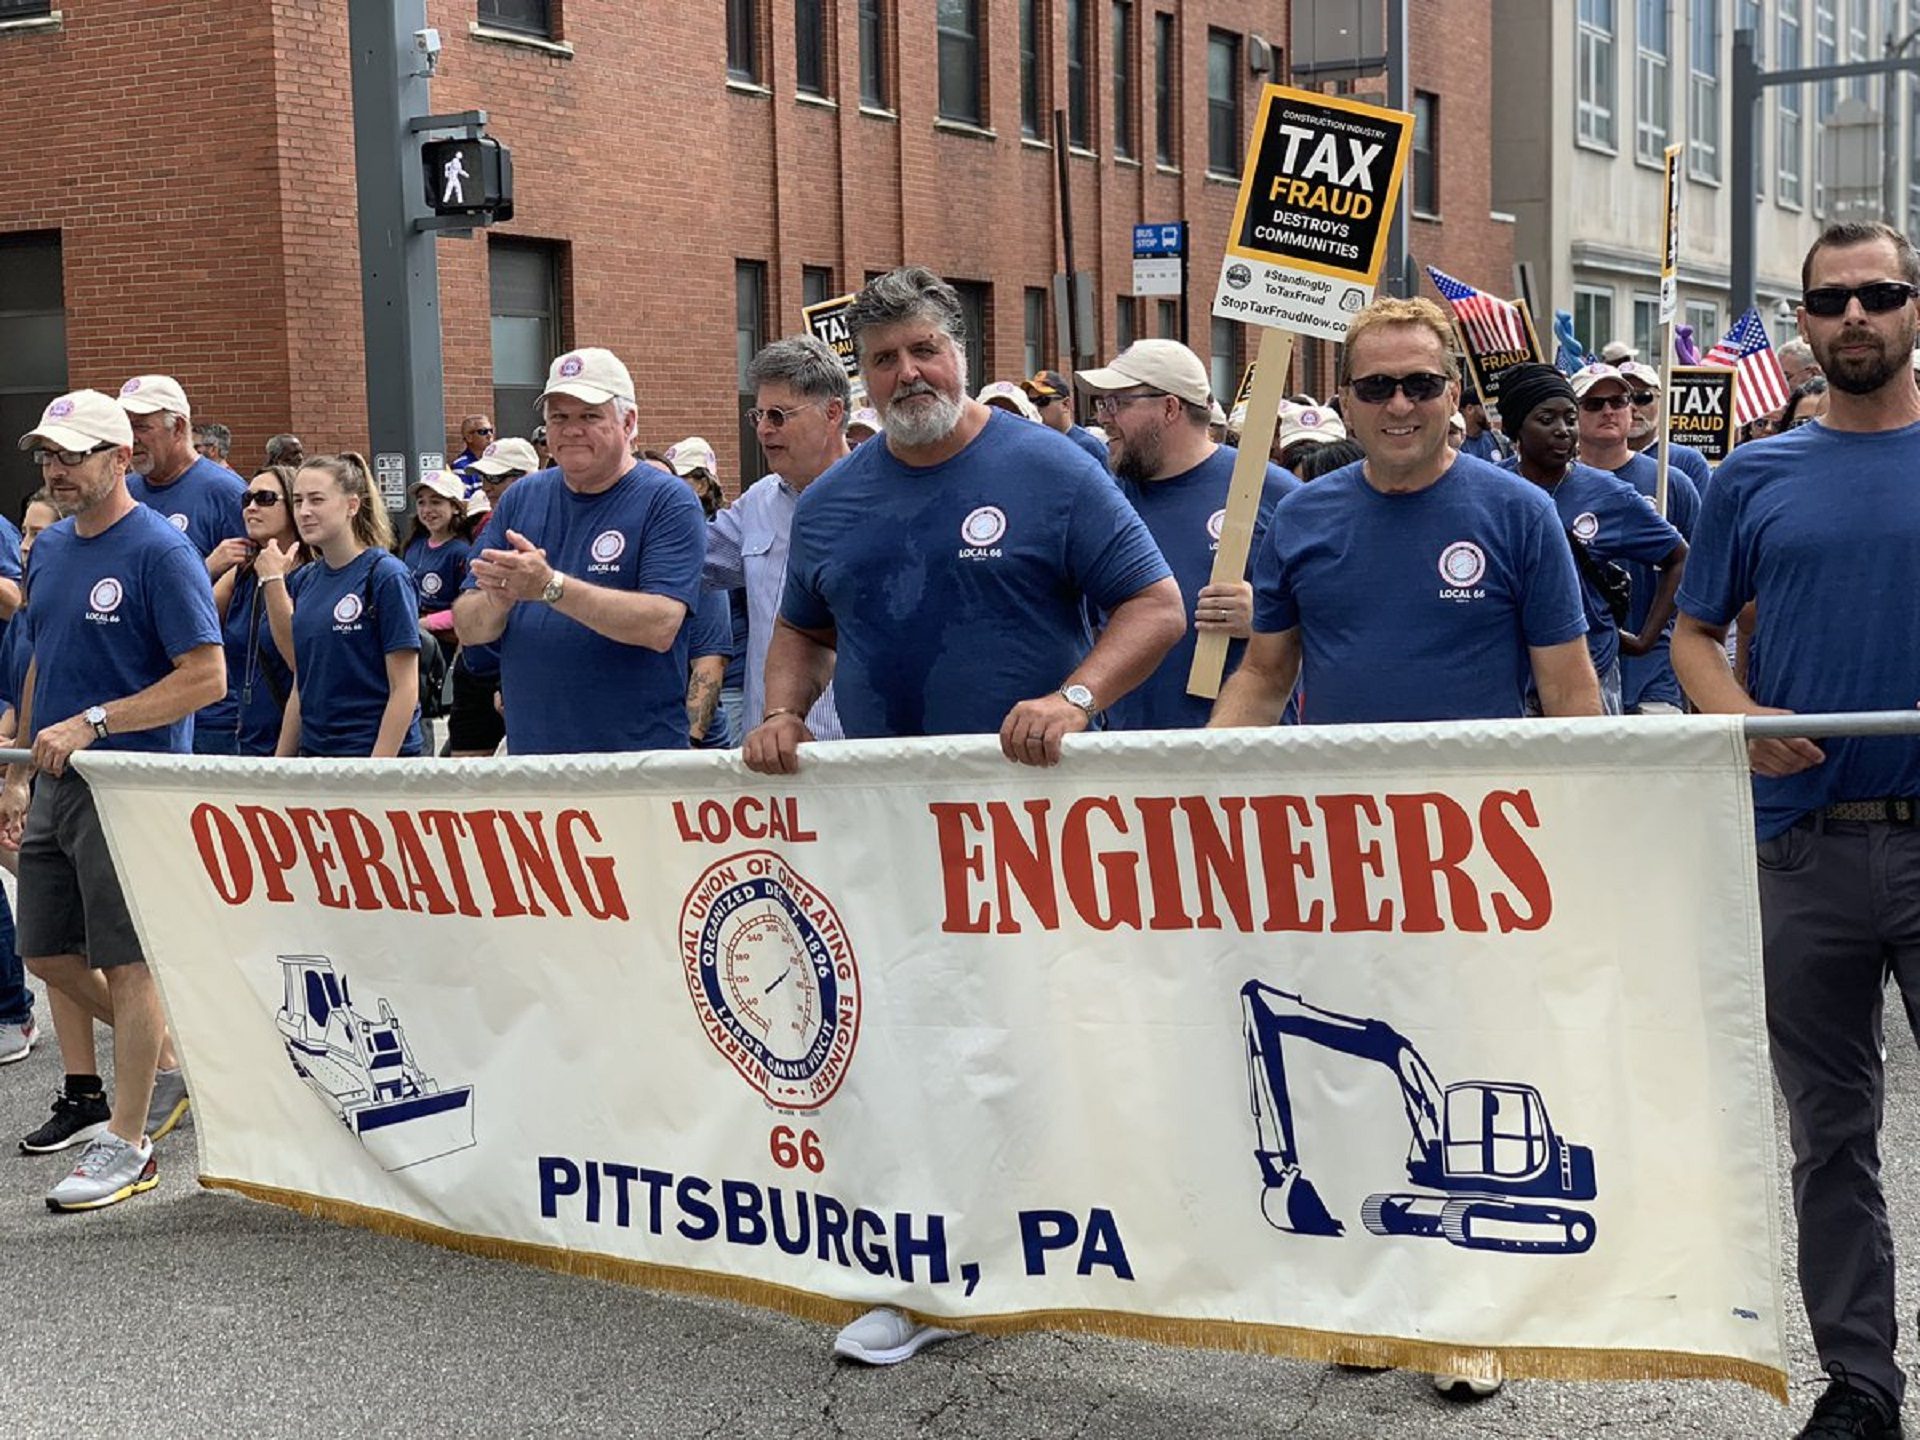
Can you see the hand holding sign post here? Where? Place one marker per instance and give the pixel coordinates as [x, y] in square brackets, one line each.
[1309, 236]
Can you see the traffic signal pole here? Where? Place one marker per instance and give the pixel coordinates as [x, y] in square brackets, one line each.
[399, 269]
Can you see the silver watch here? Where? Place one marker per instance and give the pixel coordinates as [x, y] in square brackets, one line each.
[556, 586]
[1079, 695]
[96, 716]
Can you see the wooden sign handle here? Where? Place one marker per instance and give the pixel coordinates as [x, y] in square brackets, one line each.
[1243, 498]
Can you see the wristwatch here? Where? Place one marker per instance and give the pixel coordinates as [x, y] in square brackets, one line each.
[96, 716]
[556, 587]
[1079, 695]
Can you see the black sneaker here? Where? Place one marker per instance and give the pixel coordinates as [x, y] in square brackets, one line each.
[76, 1119]
[1850, 1412]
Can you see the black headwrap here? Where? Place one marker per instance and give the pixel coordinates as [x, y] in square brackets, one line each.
[1524, 389]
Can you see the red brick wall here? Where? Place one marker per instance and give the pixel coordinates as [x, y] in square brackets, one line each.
[198, 162]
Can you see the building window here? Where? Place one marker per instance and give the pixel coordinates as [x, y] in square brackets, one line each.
[976, 303]
[1123, 77]
[1826, 51]
[523, 281]
[1225, 359]
[26, 9]
[33, 349]
[873, 56]
[1079, 101]
[1168, 316]
[1033, 354]
[810, 46]
[1032, 116]
[1223, 103]
[743, 41]
[1593, 317]
[1789, 105]
[749, 339]
[1653, 113]
[1646, 328]
[816, 284]
[1704, 317]
[1593, 78]
[1857, 26]
[1426, 153]
[1703, 92]
[1166, 97]
[522, 17]
[1126, 322]
[958, 27]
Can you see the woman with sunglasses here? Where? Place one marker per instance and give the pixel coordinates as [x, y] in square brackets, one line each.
[356, 635]
[1606, 519]
[256, 614]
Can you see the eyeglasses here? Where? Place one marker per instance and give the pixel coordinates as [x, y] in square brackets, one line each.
[1419, 387]
[1796, 423]
[480, 429]
[775, 416]
[1594, 404]
[1876, 298]
[1041, 402]
[1113, 404]
[41, 456]
[1643, 397]
[261, 499]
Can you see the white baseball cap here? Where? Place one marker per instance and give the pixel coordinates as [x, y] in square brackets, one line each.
[1588, 376]
[1309, 422]
[593, 375]
[80, 420]
[1645, 374]
[144, 394]
[1162, 364]
[443, 483]
[478, 504]
[1011, 396]
[867, 418]
[505, 456]
[692, 454]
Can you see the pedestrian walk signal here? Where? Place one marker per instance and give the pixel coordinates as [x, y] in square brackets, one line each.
[469, 177]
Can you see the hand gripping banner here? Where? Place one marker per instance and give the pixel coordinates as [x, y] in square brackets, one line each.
[1436, 1046]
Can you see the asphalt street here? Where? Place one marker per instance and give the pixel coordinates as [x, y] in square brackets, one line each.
[186, 1312]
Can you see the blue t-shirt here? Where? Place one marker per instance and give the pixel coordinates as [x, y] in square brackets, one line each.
[438, 570]
[345, 624]
[1645, 678]
[1089, 442]
[1608, 516]
[16, 650]
[110, 615]
[710, 632]
[569, 690]
[1417, 606]
[9, 561]
[1487, 445]
[258, 679]
[1822, 527]
[202, 502]
[1688, 461]
[959, 589]
[1184, 514]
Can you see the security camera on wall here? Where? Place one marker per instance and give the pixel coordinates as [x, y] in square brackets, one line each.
[426, 44]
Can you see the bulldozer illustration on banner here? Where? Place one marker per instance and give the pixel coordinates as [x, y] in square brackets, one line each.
[365, 1070]
[1495, 1174]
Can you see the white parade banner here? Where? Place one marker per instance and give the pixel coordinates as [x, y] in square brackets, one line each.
[1437, 1046]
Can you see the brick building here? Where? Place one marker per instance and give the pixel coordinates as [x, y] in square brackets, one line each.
[687, 177]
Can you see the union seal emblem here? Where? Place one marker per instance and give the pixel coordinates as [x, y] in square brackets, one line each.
[59, 409]
[179, 522]
[772, 977]
[984, 526]
[430, 583]
[130, 386]
[347, 609]
[1585, 526]
[106, 595]
[1463, 563]
[608, 546]
[570, 367]
[1216, 522]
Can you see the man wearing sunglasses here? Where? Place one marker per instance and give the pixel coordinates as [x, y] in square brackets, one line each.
[1052, 396]
[1418, 584]
[126, 647]
[1649, 414]
[1820, 527]
[1647, 683]
[476, 433]
[1154, 401]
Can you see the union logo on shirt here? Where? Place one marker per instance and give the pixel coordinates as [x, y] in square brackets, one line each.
[430, 583]
[1216, 522]
[179, 522]
[982, 531]
[347, 609]
[1463, 565]
[608, 546]
[104, 599]
[1585, 526]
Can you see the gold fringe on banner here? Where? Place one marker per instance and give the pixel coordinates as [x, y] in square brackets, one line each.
[1512, 1362]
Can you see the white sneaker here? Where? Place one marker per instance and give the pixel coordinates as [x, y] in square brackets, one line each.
[1465, 1387]
[17, 1040]
[108, 1172]
[886, 1337]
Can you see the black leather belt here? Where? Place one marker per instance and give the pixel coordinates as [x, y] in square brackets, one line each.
[1894, 810]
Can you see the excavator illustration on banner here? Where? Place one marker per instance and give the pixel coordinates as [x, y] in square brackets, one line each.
[1485, 1151]
[365, 1070]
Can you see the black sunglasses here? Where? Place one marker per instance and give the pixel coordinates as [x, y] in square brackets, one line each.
[1876, 298]
[1594, 404]
[264, 499]
[1643, 397]
[1420, 386]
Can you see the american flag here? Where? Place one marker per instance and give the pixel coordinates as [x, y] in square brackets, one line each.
[1493, 325]
[1762, 385]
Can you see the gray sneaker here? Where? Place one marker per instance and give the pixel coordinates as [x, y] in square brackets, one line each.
[169, 1104]
[108, 1172]
[17, 1040]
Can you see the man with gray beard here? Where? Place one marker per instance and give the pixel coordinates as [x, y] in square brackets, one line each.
[940, 577]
